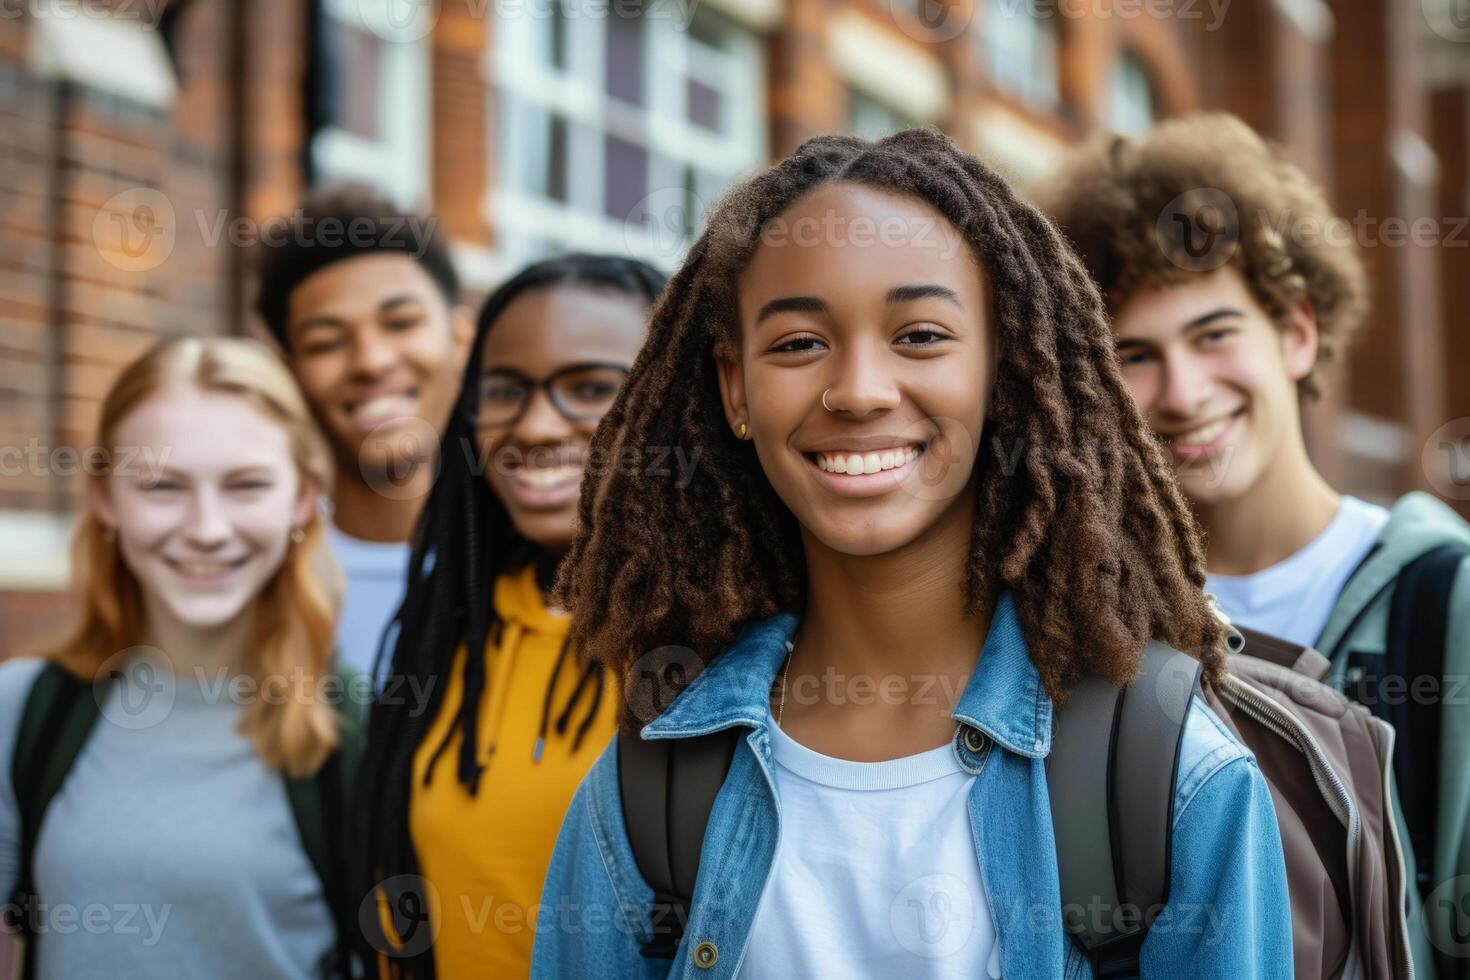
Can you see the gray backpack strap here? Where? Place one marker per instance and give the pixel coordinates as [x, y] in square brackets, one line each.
[668, 788]
[1110, 779]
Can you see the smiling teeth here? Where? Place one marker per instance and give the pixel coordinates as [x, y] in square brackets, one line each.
[547, 477]
[862, 463]
[199, 569]
[1204, 435]
[384, 406]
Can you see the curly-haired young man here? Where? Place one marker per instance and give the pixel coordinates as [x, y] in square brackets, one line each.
[1231, 283]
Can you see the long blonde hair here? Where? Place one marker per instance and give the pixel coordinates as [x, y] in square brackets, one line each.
[298, 606]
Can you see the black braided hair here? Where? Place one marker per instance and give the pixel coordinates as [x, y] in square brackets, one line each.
[463, 542]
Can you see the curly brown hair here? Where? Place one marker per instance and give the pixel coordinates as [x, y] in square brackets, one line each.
[1089, 531]
[1212, 175]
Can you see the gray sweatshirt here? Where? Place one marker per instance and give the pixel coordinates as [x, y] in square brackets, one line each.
[170, 850]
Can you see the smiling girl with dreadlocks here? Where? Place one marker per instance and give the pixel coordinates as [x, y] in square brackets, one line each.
[460, 797]
[925, 510]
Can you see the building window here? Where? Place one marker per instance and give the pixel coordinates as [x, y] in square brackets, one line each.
[871, 119]
[1018, 45]
[616, 132]
[120, 56]
[372, 97]
[1130, 96]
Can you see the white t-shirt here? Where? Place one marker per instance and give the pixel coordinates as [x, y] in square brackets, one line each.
[376, 574]
[875, 874]
[1293, 598]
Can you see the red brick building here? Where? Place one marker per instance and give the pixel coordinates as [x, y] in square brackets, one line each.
[143, 139]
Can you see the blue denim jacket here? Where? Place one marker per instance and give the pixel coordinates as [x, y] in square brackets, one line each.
[1228, 913]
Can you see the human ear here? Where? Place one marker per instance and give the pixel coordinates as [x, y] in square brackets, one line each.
[99, 506]
[730, 371]
[462, 332]
[306, 502]
[1299, 340]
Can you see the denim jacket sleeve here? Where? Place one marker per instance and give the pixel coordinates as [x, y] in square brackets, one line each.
[1228, 914]
[592, 920]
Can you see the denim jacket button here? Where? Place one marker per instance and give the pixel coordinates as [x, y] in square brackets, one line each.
[974, 739]
[706, 954]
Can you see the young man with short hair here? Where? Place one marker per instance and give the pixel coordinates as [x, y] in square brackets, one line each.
[1224, 313]
[365, 303]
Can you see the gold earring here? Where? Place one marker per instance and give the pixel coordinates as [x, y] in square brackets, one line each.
[743, 430]
[297, 535]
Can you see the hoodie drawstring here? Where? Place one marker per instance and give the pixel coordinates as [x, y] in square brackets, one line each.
[561, 657]
[510, 648]
[507, 641]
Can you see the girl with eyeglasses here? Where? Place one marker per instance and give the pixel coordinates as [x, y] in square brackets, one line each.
[488, 718]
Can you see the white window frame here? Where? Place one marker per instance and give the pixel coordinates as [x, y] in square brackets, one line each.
[898, 118]
[1128, 72]
[1021, 52]
[117, 53]
[37, 549]
[397, 163]
[895, 71]
[520, 69]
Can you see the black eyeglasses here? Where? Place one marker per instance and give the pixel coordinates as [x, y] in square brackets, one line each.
[580, 392]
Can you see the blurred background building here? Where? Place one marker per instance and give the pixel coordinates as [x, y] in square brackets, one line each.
[144, 140]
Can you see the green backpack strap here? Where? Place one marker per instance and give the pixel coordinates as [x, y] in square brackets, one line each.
[59, 714]
[319, 805]
[1110, 779]
[1417, 632]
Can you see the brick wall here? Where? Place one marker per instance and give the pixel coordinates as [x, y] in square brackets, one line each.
[105, 244]
[31, 623]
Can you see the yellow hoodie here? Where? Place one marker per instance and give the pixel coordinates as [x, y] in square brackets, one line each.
[485, 856]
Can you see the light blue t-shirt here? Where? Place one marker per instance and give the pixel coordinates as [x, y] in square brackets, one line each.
[1293, 598]
[376, 575]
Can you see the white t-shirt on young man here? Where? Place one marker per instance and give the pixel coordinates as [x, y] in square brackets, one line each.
[376, 574]
[1293, 598]
[875, 874]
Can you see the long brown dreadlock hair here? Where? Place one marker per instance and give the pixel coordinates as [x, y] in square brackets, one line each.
[1087, 530]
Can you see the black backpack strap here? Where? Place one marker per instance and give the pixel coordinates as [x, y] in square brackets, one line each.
[668, 788]
[319, 805]
[1418, 619]
[1116, 753]
[60, 712]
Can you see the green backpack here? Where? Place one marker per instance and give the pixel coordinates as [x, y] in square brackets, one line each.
[59, 715]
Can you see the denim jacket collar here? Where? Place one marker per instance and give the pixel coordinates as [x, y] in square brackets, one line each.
[1003, 697]
[733, 690]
